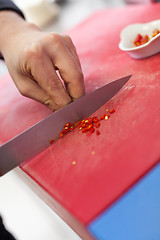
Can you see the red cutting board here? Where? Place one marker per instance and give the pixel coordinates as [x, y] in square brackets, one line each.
[128, 146]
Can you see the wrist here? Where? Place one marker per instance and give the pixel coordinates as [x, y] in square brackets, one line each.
[11, 26]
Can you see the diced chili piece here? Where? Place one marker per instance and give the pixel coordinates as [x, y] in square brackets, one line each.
[67, 125]
[111, 111]
[89, 126]
[60, 135]
[97, 132]
[95, 119]
[51, 141]
[97, 125]
[137, 40]
[71, 128]
[155, 32]
[64, 131]
[102, 117]
[144, 39]
[92, 130]
[84, 130]
[107, 116]
[77, 123]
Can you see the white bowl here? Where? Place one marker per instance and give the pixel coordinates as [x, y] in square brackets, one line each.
[129, 33]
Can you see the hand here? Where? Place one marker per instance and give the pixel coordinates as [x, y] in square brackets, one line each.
[44, 66]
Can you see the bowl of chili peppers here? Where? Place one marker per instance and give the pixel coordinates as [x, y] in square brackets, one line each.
[141, 40]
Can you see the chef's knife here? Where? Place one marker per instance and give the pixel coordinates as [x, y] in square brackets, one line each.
[35, 139]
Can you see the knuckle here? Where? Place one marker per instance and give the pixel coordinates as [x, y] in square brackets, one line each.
[24, 91]
[69, 41]
[67, 37]
[56, 104]
[49, 104]
[55, 39]
[34, 50]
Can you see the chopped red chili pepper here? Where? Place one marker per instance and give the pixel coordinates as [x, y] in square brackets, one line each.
[144, 39]
[84, 130]
[90, 126]
[155, 32]
[71, 128]
[137, 40]
[102, 117]
[89, 120]
[60, 135]
[86, 125]
[64, 131]
[112, 111]
[97, 132]
[77, 124]
[51, 141]
[140, 40]
[67, 125]
[92, 130]
[97, 125]
[95, 119]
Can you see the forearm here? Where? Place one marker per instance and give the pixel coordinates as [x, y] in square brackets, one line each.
[8, 5]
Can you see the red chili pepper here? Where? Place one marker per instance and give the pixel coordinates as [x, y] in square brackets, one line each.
[112, 111]
[64, 131]
[71, 129]
[95, 119]
[92, 130]
[97, 125]
[97, 132]
[155, 32]
[86, 125]
[60, 135]
[84, 130]
[51, 141]
[83, 125]
[138, 39]
[67, 125]
[90, 120]
[102, 117]
[77, 124]
[90, 126]
[144, 39]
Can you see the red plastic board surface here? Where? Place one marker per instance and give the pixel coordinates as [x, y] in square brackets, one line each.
[128, 146]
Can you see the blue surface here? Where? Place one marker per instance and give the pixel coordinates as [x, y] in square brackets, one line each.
[136, 216]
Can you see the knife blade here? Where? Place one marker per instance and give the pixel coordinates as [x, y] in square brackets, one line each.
[36, 138]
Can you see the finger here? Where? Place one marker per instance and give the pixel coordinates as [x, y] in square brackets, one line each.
[29, 88]
[71, 47]
[42, 70]
[68, 67]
